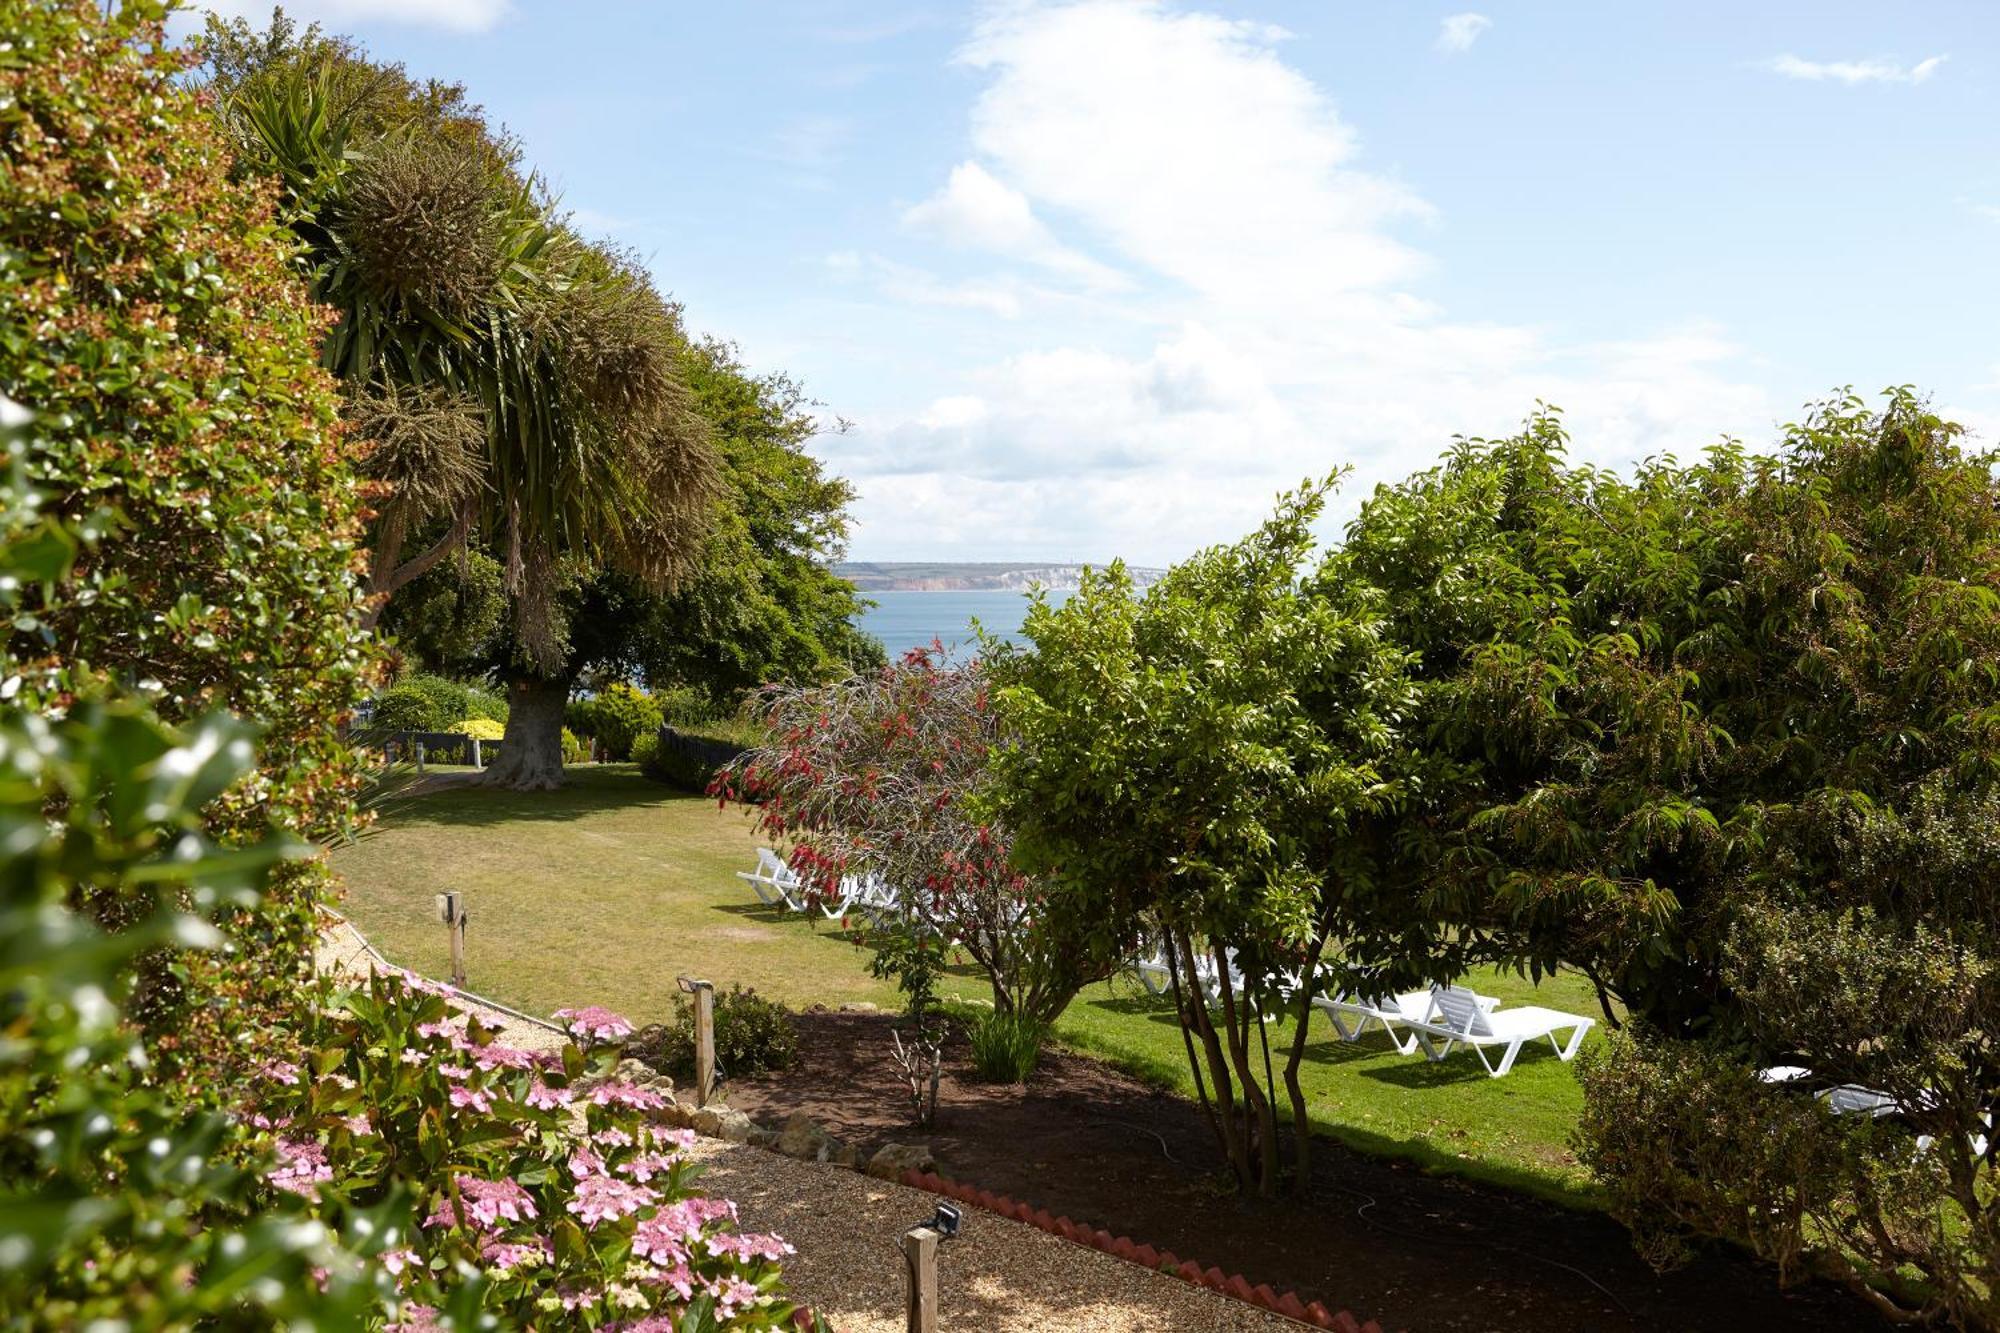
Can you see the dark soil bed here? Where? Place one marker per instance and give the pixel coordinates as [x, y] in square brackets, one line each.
[1383, 1239]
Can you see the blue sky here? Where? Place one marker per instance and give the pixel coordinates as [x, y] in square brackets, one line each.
[1098, 279]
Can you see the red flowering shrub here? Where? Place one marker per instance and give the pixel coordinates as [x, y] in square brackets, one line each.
[547, 1192]
[878, 776]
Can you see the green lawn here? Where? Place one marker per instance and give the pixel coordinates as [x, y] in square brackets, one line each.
[604, 892]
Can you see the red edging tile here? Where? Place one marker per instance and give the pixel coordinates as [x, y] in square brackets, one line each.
[1233, 1285]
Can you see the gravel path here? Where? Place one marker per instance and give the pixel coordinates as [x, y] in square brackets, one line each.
[998, 1275]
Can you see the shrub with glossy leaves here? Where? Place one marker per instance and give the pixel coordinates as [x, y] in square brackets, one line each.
[752, 1035]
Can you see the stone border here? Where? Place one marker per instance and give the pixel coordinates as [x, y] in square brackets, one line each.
[1233, 1285]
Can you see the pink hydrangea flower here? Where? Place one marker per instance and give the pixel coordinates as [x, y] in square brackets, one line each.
[659, 1242]
[397, 1260]
[733, 1294]
[416, 1319]
[604, 1199]
[280, 1071]
[502, 1255]
[496, 1056]
[749, 1247]
[647, 1165]
[678, 1276]
[583, 1164]
[547, 1098]
[459, 1072]
[443, 1027]
[612, 1137]
[302, 1167]
[626, 1094]
[462, 1097]
[595, 1023]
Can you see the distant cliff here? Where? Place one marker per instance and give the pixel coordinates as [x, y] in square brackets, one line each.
[941, 576]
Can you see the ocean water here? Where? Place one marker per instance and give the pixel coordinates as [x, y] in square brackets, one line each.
[906, 620]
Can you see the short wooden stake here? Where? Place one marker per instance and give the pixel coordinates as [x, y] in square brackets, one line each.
[420, 756]
[452, 912]
[704, 1038]
[920, 1246]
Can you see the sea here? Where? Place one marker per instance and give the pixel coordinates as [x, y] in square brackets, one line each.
[906, 620]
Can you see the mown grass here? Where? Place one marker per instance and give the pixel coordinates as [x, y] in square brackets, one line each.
[608, 890]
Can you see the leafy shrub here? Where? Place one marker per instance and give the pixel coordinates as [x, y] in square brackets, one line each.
[573, 750]
[1005, 1047]
[619, 715]
[423, 703]
[481, 728]
[645, 748]
[484, 703]
[120, 1201]
[752, 1035]
[151, 320]
[599, 1218]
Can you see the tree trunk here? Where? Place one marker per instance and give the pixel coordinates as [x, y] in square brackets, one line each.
[531, 751]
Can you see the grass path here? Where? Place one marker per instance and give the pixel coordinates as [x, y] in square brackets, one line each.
[606, 891]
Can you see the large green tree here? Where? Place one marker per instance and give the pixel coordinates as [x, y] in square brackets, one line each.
[1731, 734]
[1221, 760]
[519, 390]
[763, 604]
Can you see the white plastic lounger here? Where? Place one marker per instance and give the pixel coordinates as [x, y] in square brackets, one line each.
[1351, 1015]
[774, 883]
[1464, 1023]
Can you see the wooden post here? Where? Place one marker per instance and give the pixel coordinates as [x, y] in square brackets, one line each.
[420, 756]
[452, 912]
[475, 753]
[920, 1246]
[704, 1037]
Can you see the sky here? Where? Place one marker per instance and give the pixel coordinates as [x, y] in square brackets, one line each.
[1101, 279]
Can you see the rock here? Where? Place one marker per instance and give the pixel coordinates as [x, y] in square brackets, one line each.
[842, 1154]
[766, 1139]
[723, 1122]
[676, 1114]
[859, 1007]
[891, 1160]
[803, 1139]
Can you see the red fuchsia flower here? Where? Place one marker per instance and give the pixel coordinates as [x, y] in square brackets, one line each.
[625, 1094]
[594, 1023]
[543, 1097]
[583, 1164]
[302, 1168]
[462, 1097]
[603, 1199]
[727, 1245]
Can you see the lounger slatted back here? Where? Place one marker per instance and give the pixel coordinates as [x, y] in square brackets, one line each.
[1461, 1011]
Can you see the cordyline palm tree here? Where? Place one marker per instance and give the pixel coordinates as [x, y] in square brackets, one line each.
[513, 385]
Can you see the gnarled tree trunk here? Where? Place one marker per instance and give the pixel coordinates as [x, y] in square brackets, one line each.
[531, 751]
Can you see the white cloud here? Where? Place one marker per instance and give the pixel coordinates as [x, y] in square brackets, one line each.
[456, 15]
[1852, 72]
[976, 210]
[1460, 31]
[909, 284]
[1273, 333]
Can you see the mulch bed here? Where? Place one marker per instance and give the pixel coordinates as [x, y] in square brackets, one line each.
[1383, 1239]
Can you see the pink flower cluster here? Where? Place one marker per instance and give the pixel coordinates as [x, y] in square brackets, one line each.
[302, 1167]
[486, 1204]
[594, 1023]
[604, 1199]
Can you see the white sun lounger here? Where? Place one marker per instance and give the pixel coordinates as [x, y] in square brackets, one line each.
[774, 882]
[1351, 1015]
[1464, 1023]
